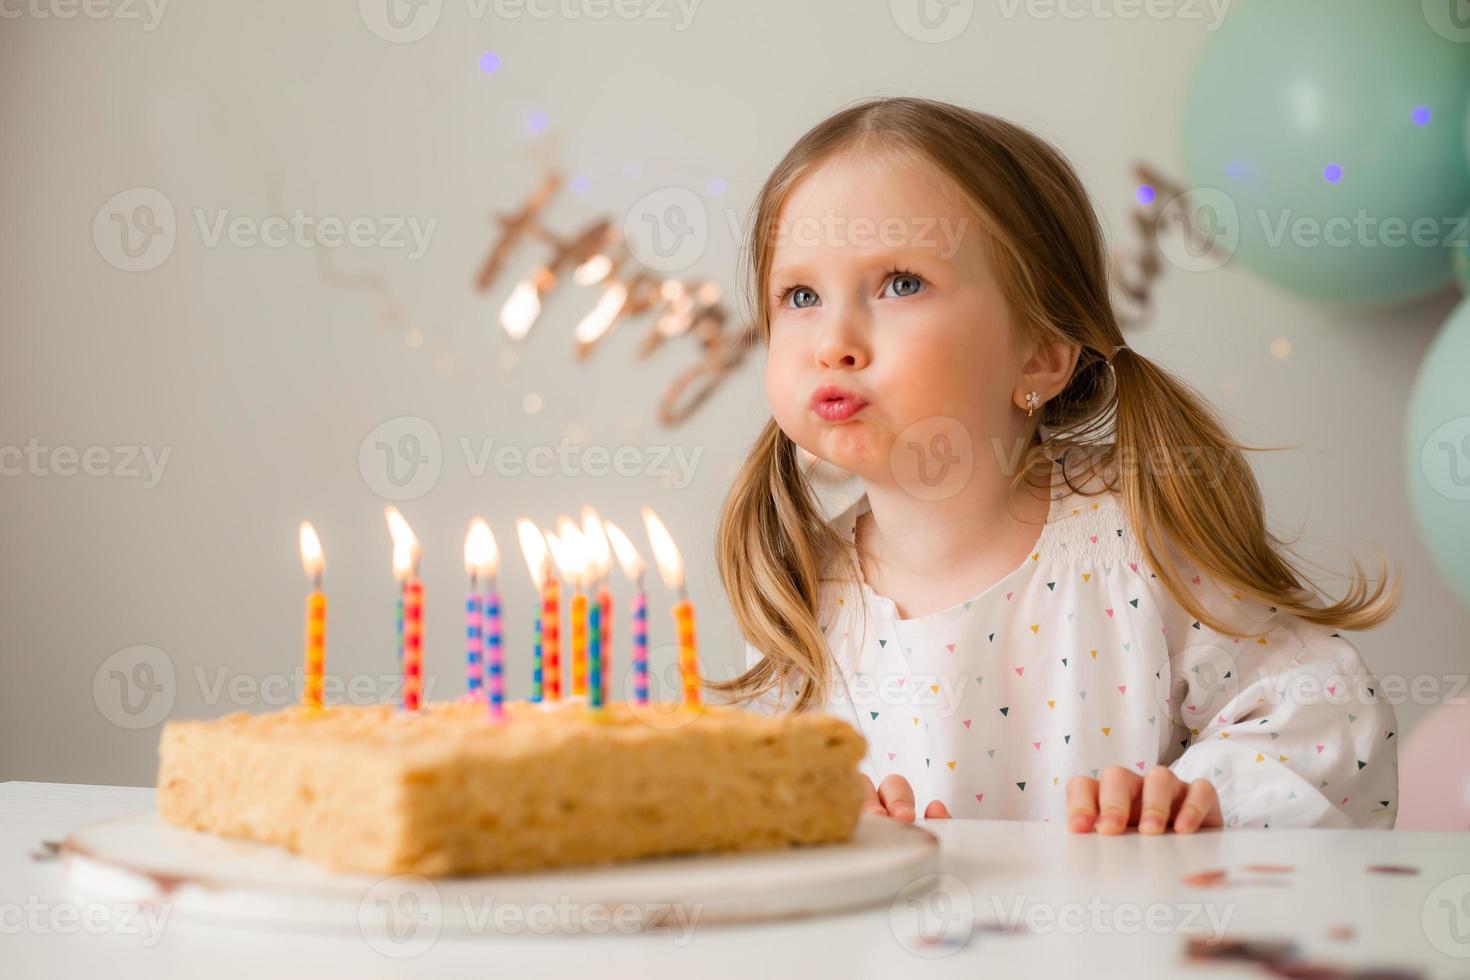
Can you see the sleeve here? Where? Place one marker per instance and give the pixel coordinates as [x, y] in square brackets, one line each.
[1290, 726]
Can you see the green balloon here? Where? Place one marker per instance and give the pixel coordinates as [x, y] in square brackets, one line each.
[1437, 451]
[1332, 134]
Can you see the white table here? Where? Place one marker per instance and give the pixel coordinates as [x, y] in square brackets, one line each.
[1089, 905]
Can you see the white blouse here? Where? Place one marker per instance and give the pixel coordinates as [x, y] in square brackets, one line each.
[1080, 659]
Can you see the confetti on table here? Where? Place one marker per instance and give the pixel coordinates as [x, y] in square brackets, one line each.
[1269, 869]
[1205, 879]
[1392, 869]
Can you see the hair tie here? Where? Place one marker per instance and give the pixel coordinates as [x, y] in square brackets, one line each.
[1114, 353]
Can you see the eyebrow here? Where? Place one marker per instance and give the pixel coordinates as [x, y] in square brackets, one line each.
[889, 256]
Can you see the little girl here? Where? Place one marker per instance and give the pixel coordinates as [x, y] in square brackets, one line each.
[1056, 597]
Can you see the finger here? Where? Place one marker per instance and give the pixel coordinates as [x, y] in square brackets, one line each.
[1081, 803]
[897, 797]
[1201, 808]
[936, 811]
[1161, 791]
[870, 799]
[1117, 799]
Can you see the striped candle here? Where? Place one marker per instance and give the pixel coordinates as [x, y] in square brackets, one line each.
[640, 645]
[413, 643]
[688, 656]
[495, 680]
[474, 641]
[551, 636]
[401, 587]
[605, 634]
[536, 671]
[579, 643]
[595, 693]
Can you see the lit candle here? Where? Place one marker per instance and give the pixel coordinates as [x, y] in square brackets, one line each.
[405, 568]
[566, 548]
[632, 565]
[671, 569]
[494, 663]
[403, 545]
[599, 655]
[476, 549]
[533, 547]
[316, 617]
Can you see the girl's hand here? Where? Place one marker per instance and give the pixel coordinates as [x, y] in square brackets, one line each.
[1125, 798]
[894, 798]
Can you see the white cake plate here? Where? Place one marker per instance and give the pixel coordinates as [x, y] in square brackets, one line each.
[203, 877]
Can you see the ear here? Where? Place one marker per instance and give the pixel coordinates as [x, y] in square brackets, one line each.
[1048, 367]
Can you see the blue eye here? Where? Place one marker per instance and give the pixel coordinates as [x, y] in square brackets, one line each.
[802, 297]
[904, 284]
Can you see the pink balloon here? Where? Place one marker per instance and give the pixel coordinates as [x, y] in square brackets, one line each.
[1434, 772]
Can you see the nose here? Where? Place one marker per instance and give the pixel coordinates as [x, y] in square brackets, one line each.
[844, 343]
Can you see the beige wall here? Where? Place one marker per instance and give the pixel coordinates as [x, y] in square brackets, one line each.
[261, 380]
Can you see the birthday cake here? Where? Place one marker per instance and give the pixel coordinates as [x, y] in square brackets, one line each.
[445, 791]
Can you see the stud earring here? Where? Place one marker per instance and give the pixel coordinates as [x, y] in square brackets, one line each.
[1033, 402]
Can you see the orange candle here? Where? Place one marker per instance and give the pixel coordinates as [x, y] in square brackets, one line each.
[671, 569]
[316, 617]
[566, 549]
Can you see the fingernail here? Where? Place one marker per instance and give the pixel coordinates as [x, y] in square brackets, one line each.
[1080, 822]
[1187, 820]
[1150, 824]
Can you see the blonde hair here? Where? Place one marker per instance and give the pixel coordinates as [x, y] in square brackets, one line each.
[774, 542]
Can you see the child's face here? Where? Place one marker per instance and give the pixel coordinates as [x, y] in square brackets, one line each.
[904, 313]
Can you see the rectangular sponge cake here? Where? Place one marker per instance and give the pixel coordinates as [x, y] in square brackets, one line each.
[445, 791]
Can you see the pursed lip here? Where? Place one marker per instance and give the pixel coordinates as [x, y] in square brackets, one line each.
[836, 404]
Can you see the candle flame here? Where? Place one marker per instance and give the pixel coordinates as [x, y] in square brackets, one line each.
[594, 543]
[533, 546]
[405, 545]
[568, 550]
[480, 556]
[665, 552]
[311, 551]
[628, 557]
